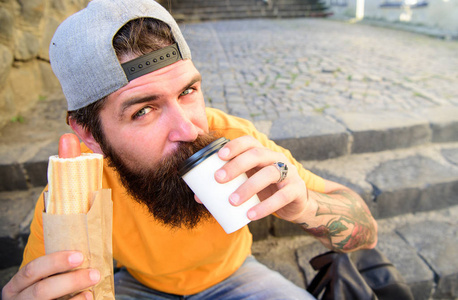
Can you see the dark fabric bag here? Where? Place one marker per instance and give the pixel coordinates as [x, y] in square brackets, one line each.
[360, 275]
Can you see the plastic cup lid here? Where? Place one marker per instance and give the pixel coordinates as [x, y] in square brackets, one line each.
[201, 155]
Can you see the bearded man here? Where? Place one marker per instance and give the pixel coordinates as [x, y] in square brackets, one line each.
[135, 96]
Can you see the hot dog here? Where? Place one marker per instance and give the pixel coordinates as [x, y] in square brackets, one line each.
[72, 177]
[69, 146]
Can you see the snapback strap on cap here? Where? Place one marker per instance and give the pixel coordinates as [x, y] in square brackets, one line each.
[151, 62]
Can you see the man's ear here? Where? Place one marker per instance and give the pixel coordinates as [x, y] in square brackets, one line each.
[86, 136]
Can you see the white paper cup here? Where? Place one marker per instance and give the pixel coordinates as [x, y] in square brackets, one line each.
[198, 172]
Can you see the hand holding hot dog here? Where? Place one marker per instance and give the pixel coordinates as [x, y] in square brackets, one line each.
[50, 276]
[47, 277]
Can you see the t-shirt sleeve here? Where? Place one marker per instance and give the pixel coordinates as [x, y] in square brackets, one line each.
[35, 245]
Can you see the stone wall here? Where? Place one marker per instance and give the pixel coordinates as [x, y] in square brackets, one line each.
[26, 29]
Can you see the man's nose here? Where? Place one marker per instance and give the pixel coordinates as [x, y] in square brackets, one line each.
[182, 127]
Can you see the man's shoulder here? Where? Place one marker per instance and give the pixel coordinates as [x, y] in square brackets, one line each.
[84, 148]
[228, 124]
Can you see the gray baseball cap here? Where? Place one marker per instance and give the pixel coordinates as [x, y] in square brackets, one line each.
[82, 54]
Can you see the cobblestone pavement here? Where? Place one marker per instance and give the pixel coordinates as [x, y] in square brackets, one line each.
[264, 69]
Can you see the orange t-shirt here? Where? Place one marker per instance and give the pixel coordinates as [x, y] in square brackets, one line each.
[177, 261]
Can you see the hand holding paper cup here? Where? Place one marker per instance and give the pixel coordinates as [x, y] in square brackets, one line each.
[198, 172]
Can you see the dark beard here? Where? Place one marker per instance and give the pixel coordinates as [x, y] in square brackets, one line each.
[160, 188]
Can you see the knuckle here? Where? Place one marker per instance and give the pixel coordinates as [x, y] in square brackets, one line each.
[291, 166]
[8, 291]
[29, 270]
[248, 138]
[282, 196]
[255, 152]
[38, 290]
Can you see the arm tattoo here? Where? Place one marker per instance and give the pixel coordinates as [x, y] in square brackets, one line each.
[350, 223]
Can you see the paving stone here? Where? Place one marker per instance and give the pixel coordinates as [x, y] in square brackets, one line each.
[12, 177]
[406, 185]
[280, 255]
[261, 229]
[411, 266]
[37, 166]
[438, 252]
[11, 251]
[16, 213]
[310, 137]
[15, 207]
[444, 123]
[281, 228]
[451, 155]
[219, 106]
[378, 131]
[361, 187]
[287, 267]
[305, 254]
[37, 172]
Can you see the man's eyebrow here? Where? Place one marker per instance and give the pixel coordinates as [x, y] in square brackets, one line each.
[195, 79]
[135, 101]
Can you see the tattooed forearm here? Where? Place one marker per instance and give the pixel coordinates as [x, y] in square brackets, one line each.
[346, 223]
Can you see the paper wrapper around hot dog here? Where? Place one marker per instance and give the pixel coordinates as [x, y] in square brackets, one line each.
[78, 215]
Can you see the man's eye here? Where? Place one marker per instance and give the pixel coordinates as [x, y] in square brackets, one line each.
[142, 112]
[186, 92]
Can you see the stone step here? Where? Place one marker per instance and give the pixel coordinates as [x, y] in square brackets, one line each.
[218, 10]
[247, 12]
[417, 179]
[422, 246]
[243, 8]
[231, 3]
[392, 183]
[25, 147]
[338, 133]
[218, 3]
[16, 213]
[233, 15]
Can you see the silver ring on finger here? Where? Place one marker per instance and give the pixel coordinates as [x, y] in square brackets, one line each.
[283, 169]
